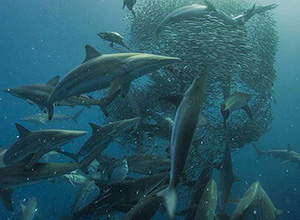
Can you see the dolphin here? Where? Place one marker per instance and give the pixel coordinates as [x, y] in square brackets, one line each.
[255, 200]
[184, 13]
[287, 155]
[113, 37]
[238, 100]
[226, 179]
[197, 11]
[102, 136]
[99, 71]
[42, 118]
[15, 176]
[28, 209]
[208, 202]
[37, 143]
[38, 94]
[182, 134]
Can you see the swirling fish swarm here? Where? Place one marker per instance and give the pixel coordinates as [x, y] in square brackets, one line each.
[234, 59]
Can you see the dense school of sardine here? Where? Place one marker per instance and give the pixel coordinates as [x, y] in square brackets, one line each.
[193, 84]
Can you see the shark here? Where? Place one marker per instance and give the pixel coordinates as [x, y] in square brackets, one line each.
[99, 71]
[226, 180]
[42, 118]
[35, 144]
[208, 202]
[185, 123]
[38, 94]
[15, 176]
[102, 136]
[287, 155]
[255, 203]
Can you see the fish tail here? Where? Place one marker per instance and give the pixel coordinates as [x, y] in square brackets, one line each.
[258, 151]
[83, 165]
[76, 115]
[170, 199]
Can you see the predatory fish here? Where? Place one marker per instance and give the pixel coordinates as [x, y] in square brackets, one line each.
[99, 71]
[102, 136]
[39, 93]
[226, 179]
[28, 209]
[42, 118]
[208, 202]
[287, 155]
[15, 176]
[197, 191]
[185, 123]
[37, 143]
[255, 200]
[238, 100]
[113, 37]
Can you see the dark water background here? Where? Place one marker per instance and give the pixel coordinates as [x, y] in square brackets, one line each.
[43, 38]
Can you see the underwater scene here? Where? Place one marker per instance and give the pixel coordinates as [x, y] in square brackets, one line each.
[150, 109]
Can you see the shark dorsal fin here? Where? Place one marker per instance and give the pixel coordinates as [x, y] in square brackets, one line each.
[53, 81]
[23, 132]
[90, 53]
[96, 128]
[289, 148]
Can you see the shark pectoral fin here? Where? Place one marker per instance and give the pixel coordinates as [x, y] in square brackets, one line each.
[246, 108]
[35, 158]
[6, 196]
[284, 162]
[111, 44]
[90, 53]
[53, 82]
[23, 132]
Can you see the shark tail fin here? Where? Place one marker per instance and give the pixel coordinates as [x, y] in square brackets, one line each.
[50, 110]
[258, 151]
[170, 199]
[76, 115]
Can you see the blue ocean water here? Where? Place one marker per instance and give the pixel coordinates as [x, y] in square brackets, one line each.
[40, 39]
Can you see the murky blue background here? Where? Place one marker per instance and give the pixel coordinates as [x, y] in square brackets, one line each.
[40, 39]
